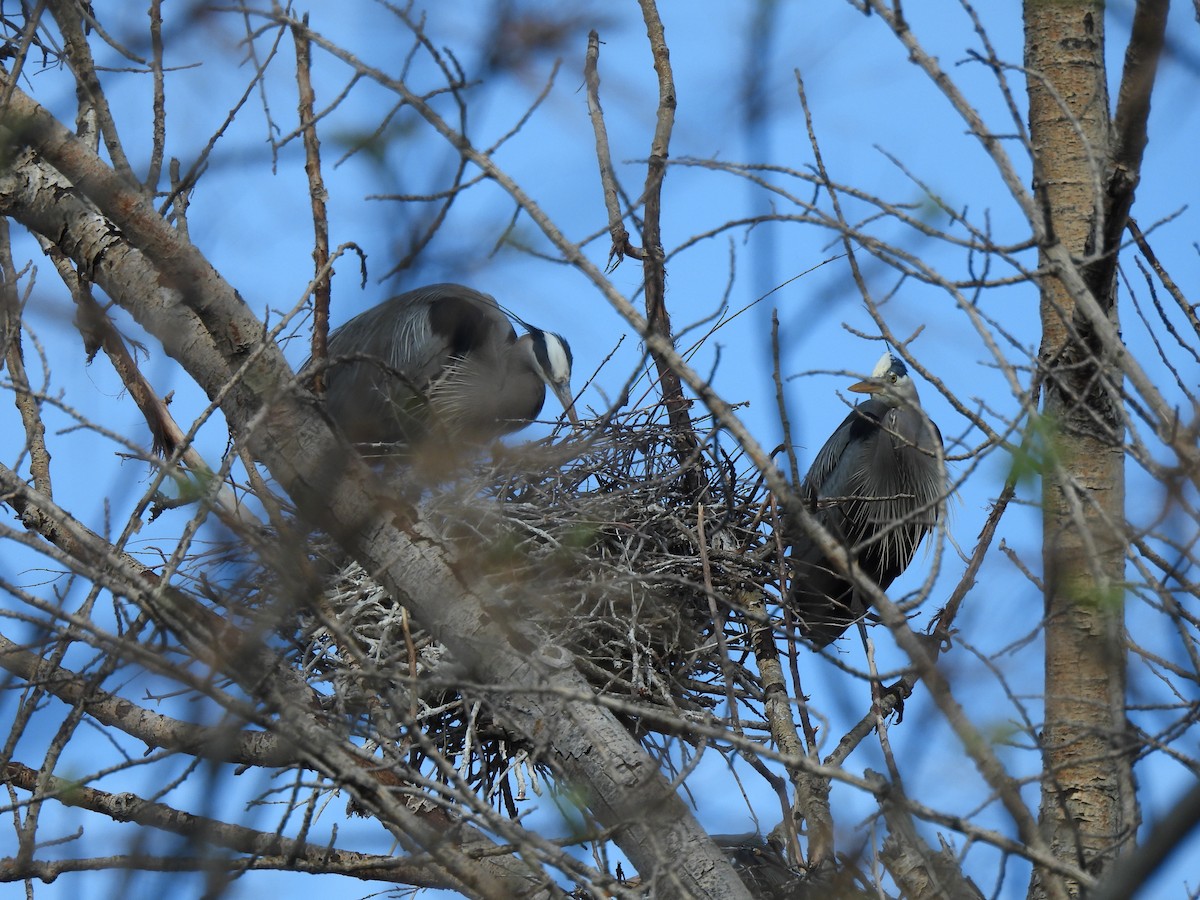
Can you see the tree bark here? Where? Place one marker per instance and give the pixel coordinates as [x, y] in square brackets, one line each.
[1087, 807]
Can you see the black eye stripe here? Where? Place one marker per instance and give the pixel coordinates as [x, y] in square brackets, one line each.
[539, 348]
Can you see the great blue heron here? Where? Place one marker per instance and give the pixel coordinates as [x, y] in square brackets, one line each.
[878, 486]
[761, 866]
[440, 367]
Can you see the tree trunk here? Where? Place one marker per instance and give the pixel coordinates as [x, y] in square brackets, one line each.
[1087, 807]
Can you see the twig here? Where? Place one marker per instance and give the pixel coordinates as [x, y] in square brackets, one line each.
[1129, 137]
[12, 357]
[127, 807]
[79, 54]
[653, 265]
[718, 618]
[812, 789]
[158, 146]
[621, 246]
[180, 192]
[781, 401]
[1188, 309]
[316, 194]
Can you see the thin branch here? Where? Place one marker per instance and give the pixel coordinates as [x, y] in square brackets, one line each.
[1187, 308]
[158, 151]
[812, 790]
[127, 807]
[67, 16]
[621, 246]
[1129, 137]
[653, 264]
[222, 743]
[11, 306]
[316, 194]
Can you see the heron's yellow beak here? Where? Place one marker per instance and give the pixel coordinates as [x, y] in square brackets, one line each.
[866, 387]
[563, 393]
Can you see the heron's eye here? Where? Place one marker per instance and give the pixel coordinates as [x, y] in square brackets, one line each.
[892, 377]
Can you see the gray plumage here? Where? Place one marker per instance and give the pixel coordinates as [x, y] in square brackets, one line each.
[761, 866]
[878, 487]
[441, 366]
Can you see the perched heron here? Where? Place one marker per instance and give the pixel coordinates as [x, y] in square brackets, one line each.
[878, 486]
[440, 367]
[761, 866]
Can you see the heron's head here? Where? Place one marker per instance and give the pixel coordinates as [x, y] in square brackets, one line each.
[890, 382]
[551, 356]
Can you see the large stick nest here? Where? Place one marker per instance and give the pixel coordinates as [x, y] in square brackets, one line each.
[591, 542]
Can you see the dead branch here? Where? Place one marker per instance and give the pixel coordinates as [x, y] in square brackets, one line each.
[316, 193]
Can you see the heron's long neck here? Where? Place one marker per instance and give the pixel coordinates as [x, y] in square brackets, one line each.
[522, 391]
[486, 393]
[910, 426]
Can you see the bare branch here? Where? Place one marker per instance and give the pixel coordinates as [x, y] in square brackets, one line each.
[1129, 138]
[316, 193]
[608, 179]
[654, 263]
[203, 830]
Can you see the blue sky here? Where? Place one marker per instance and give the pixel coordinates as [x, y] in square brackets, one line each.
[867, 101]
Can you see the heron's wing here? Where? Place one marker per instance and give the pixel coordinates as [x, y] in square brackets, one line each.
[420, 333]
[483, 385]
[835, 468]
[384, 361]
[915, 432]
[465, 323]
[822, 600]
[878, 487]
[761, 867]
[415, 333]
